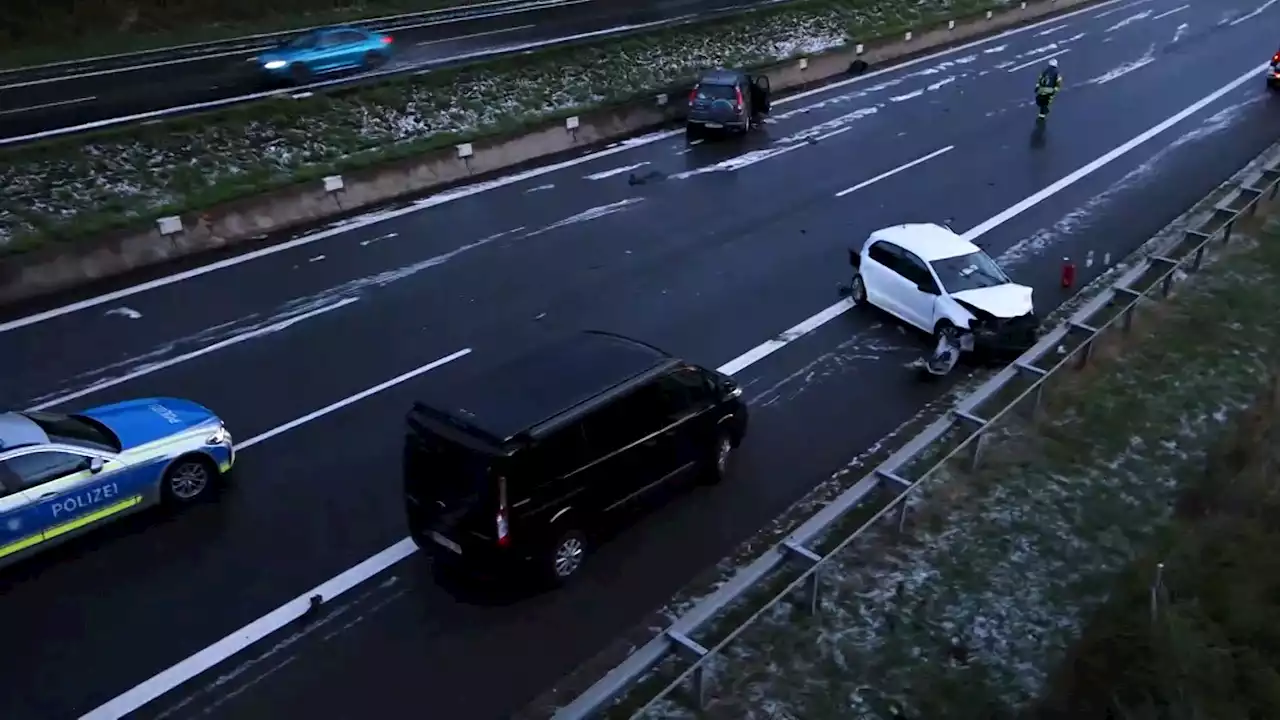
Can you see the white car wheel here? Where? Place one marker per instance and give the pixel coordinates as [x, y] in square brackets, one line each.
[858, 290]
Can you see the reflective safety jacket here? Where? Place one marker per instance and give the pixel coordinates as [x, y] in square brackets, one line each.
[1050, 82]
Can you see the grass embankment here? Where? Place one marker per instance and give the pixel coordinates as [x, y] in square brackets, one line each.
[83, 186]
[38, 31]
[971, 611]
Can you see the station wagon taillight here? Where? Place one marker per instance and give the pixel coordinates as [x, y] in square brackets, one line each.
[386, 40]
[502, 524]
[738, 103]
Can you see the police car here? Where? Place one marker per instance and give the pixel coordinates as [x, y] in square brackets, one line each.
[62, 475]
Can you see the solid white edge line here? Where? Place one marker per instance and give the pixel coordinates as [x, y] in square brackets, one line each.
[45, 106]
[179, 359]
[469, 190]
[228, 646]
[1038, 60]
[895, 171]
[207, 658]
[352, 399]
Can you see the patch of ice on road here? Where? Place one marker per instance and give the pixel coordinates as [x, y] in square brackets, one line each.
[1051, 30]
[830, 125]
[941, 83]
[585, 216]
[1122, 70]
[908, 96]
[1079, 218]
[1129, 20]
[996, 49]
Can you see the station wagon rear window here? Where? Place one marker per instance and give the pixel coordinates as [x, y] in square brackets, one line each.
[716, 92]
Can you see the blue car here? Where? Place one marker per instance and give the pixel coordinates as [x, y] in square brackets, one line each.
[63, 475]
[324, 51]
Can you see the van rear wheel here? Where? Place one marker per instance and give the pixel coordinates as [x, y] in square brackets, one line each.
[566, 556]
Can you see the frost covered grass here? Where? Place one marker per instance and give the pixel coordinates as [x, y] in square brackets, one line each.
[87, 185]
[970, 611]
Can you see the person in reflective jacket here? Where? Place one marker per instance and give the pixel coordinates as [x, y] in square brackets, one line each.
[1047, 86]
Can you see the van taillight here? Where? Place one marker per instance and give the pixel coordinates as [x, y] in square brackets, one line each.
[738, 105]
[502, 524]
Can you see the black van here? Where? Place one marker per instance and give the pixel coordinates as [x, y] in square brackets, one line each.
[526, 467]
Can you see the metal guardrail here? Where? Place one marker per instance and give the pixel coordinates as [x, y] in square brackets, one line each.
[249, 43]
[1118, 303]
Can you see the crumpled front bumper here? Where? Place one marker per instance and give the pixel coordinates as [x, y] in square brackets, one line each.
[1013, 336]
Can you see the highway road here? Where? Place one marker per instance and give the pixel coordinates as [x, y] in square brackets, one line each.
[313, 349]
[49, 98]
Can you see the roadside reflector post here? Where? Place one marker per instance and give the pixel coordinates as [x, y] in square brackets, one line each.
[700, 678]
[465, 151]
[571, 125]
[907, 37]
[1023, 6]
[171, 225]
[988, 14]
[951, 24]
[859, 49]
[332, 186]
[662, 98]
[804, 63]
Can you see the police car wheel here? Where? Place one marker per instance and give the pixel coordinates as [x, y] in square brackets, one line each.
[188, 480]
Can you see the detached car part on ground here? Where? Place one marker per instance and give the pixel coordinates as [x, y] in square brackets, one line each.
[64, 475]
[322, 51]
[929, 277]
[726, 101]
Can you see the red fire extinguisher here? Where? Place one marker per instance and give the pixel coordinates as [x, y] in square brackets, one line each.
[1068, 273]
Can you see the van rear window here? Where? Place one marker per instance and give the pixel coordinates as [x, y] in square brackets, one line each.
[448, 471]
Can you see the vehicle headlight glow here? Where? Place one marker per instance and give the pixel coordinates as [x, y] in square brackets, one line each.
[274, 64]
[219, 436]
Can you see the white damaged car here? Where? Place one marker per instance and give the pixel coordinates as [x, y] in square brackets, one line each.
[930, 277]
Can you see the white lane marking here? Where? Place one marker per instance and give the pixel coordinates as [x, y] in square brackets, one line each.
[228, 646]
[42, 106]
[614, 171]
[1122, 8]
[788, 336]
[205, 659]
[896, 170]
[123, 311]
[469, 190]
[1110, 157]
[352, 400]
[1167, 13]
[594, 213]
[1177, 34]
[327, 409]
[748, 159]
[179, 359]
[425, 43]
[1129, 20]
[1051, 30]
[1255, 13]
[386, 236]
[1038, 60]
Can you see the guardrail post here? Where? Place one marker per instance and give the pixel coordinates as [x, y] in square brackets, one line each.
[1166, 283]
[1086, 350]
[1126, 319]
[976, 441]
[700, 679]
[813, 582]
[1037, 394]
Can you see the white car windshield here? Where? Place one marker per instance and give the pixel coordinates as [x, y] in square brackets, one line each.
[969, 272]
